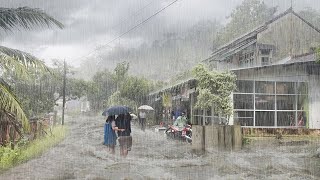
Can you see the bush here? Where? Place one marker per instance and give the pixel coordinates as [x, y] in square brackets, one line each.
[245, 141]
[8, 156]
[25, 151]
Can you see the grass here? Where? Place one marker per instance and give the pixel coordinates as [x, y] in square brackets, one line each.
[10, 158]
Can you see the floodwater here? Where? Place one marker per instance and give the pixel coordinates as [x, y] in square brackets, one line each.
[82, 156]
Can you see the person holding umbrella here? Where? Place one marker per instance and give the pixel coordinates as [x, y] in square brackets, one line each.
[142, 115]
[110, 137]
[111, 128]
[142, 119]
[123, 122]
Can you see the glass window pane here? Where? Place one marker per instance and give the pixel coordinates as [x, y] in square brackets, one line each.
[286, 118]
[286, 102]
[285, 88]
[243, 101]
[302, 102]
[244, 86]
[244, 118]
[302, 88]
[264, 87]
[264, 102]
[301, 118]
[264, 118]
[244, 121]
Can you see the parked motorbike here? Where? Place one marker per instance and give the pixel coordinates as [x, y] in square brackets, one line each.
[184, 134]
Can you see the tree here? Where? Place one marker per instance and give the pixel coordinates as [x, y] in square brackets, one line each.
[135, 89]
[245, 17]
[121, 72]
[214, 90]
[318, 55]
[311, 15]
[17, 61]
[103, 85]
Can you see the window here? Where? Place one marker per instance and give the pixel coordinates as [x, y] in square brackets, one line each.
[286, 118]
[264, 118]
[265, 60]
[243, 101]
[244, 118]
[265, 87]
[265, 51]
[302, 88]
[244, 86]
[268, 103]
[264, 102]
[285, 88]
[286, 102]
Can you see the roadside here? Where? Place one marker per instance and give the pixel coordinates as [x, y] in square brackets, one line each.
[26, 150]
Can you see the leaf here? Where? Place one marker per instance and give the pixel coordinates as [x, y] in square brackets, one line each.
[25, 17]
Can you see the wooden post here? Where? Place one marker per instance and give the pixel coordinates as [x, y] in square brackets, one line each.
[228, 137]
[211, 140]
[64, 91]
[236, 137]
[221, 137]
[198, 138]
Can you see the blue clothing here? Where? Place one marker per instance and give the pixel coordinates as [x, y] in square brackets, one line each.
[110, 137]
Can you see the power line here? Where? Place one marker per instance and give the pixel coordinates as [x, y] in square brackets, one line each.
[141, 23]
[131, 29]
[133, 14]
[121, 22]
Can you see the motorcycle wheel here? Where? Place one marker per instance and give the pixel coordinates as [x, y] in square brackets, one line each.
[169, 134]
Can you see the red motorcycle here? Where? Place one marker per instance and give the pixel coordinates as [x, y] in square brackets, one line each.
[184, 134]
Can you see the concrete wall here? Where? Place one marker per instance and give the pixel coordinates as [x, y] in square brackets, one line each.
[314, 102]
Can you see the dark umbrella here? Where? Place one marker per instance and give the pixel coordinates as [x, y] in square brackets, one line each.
[116, 110]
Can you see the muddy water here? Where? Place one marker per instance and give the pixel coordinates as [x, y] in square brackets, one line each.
[82, 156]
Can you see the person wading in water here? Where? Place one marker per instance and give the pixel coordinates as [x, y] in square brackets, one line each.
[123, 122]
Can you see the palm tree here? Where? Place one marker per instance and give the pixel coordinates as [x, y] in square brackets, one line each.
[19, 62]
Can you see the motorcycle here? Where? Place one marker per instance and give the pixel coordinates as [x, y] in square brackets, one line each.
[184, 134]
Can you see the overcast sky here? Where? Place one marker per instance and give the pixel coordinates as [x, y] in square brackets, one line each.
[92, 23]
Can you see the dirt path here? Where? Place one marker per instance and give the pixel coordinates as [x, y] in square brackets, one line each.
[82, 156]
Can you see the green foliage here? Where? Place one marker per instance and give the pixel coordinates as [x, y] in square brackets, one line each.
[245, 17]
[214, 89]
[17, 62]
[311, 15]
[121, 73]
[318, 55]
[166, 100]
[181, 76]
[103, 85]
[246, 141]
[117, 99]
[117, 88]
[135, 89]
[39, 93]
[8, 156]
[27, 150]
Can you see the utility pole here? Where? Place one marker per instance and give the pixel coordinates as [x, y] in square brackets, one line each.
[64, 90]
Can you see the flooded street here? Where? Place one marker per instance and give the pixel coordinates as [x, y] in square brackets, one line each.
[82, 156]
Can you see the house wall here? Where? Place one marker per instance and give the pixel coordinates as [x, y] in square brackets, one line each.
[314, 101]
[290, 73]
[289, 32]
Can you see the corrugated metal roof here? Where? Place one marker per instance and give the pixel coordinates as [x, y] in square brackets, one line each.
[252, 34]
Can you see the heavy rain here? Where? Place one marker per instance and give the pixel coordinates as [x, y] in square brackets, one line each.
[151, 89]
